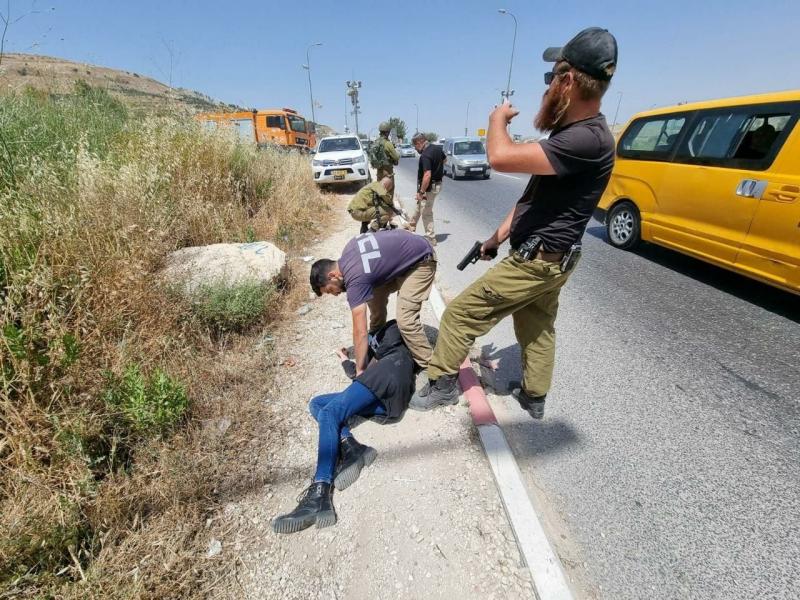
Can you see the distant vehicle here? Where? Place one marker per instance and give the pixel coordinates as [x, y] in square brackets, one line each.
[276, 126]
[407, 150]
[717, 180]
[466, 157]
[366, 144]
[340, 159]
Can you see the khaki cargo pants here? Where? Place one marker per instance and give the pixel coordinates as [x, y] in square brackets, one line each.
[412, 289]
[424, 209]
[527, 290]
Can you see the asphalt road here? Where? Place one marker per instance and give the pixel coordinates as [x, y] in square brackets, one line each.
[668, 458]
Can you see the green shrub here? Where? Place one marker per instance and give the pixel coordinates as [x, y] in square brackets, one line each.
[232, 308]
[148, 404]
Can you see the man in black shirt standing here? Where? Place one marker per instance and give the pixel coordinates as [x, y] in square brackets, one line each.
[570, 171]
[429, 183]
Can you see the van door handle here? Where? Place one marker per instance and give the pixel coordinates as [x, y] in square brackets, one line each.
[751, 188]
[786, 193]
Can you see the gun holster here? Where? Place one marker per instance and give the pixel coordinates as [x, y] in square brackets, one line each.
[571, 257]
[530, 247]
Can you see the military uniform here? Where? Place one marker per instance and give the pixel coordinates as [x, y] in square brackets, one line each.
[387, 170]
[362, 206]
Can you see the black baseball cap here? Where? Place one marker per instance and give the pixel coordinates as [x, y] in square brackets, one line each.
[593, 51]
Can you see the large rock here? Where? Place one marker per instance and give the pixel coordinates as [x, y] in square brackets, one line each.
[227, 264]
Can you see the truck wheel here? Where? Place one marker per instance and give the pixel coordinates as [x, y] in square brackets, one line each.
[624, 226]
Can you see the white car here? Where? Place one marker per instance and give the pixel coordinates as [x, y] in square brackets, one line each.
[340, 159]
[407, 151]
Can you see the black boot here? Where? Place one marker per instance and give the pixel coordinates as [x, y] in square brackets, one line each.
[315, 505]
[441, 392]
[352, 458]
[534, 405]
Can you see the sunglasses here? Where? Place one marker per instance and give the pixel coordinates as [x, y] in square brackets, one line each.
[551, 75]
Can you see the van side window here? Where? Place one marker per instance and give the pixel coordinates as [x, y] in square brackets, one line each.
[757, 142]
[651, 138]
[742, 137]
[276, 121]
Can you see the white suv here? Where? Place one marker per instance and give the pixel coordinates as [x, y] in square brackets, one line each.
[340, 159]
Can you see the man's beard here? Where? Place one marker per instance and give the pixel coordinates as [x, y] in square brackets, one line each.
[551, 113]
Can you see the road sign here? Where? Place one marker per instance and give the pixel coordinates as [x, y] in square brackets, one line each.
[481, 132]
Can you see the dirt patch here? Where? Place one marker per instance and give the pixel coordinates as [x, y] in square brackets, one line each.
[424, 521]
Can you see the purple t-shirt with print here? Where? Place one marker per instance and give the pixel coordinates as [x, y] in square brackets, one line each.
[375, 258]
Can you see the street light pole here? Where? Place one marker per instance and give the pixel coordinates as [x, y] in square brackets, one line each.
[619, 101]
[509, 91]
[466, 121]
[307, 67]
[416, 129]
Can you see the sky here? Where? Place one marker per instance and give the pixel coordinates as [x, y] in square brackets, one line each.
[450, 58]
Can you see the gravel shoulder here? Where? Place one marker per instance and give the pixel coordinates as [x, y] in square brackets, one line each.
[424, 521]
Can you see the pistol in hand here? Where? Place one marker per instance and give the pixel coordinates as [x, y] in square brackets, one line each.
[474, 256]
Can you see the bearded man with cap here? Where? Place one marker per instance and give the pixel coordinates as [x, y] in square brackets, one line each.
[569, 172]
[392, 157]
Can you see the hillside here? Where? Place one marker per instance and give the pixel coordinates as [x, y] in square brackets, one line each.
[57, 75]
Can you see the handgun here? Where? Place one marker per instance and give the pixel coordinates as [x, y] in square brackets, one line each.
[474, 255]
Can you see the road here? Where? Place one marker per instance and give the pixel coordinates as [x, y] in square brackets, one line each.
[667, 464]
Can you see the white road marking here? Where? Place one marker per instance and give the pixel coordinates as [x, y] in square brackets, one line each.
[544, 565]
[504, 175]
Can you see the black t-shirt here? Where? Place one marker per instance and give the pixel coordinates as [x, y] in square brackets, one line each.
[558, 207]
[431, 159]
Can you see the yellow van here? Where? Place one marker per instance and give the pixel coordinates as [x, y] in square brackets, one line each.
[717, 180]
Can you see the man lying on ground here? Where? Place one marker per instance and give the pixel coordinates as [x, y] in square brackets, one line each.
[381, 393]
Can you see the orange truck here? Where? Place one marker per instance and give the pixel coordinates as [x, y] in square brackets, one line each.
[276, 126]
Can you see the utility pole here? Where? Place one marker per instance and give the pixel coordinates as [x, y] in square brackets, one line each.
[352, 91]
[616, 113]
[307, 67]
[416, 129]
[508, 91]
[466, 121]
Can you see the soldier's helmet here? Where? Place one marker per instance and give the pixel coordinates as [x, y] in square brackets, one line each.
[384, 127]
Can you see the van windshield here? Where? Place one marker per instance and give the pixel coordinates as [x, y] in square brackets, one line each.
[297, 123]
[338, 144]
[460, 148]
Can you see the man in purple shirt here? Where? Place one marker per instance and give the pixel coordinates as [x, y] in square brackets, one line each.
[372, 267]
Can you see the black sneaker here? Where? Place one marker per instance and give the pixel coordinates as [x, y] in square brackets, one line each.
[442, 392]
[315, 505]
[353, 457]
[533, 405]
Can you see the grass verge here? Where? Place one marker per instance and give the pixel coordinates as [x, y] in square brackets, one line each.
[116, 425]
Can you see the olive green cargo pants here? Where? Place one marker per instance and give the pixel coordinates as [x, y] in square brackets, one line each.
[527, 290]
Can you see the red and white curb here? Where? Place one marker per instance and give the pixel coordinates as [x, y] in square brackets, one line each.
[544, 565]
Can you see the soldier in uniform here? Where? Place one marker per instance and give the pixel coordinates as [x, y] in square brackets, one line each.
[387, 169]
[569, 172]
[373, 205]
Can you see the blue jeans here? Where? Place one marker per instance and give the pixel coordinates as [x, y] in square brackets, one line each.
[332, 412]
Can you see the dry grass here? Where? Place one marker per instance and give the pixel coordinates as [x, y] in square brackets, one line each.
[90, 204]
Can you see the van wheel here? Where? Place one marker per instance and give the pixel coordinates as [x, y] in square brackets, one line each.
[486, 175]
[453, 175]
[624, 226]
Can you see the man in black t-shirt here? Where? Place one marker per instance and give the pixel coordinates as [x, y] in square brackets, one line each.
[570, 171]
[429, 184]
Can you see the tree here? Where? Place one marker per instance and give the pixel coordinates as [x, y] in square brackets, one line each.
[431, 136]
[399, 126]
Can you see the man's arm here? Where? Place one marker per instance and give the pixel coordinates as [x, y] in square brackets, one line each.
[425, 184]
[392, 152]
[499, 236]
[506, 156]
[360, 342]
